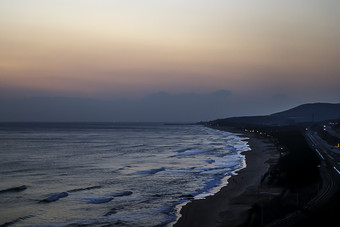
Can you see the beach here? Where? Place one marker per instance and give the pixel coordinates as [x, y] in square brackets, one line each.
[232, 205]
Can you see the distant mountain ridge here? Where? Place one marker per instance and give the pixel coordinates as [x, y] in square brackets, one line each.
[311, 112]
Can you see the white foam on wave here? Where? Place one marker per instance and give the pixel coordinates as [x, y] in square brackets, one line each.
[226, 165]
[179, 171]
[227, 162]
[215, 171]
[242, 147]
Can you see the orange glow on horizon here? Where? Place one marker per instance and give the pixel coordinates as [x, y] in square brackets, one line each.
[89, 47]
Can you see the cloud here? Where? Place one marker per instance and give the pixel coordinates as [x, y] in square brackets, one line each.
[156, 107]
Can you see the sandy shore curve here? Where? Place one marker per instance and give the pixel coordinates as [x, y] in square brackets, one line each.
[232, 204]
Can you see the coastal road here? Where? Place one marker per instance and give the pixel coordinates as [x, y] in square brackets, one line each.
[326, 156]
[325, 205]
[323, 209]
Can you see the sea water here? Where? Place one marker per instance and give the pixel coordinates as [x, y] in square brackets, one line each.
[109, 174]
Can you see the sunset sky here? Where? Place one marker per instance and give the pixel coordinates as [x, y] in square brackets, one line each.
[115, 49]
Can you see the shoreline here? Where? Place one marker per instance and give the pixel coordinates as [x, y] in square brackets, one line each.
[230, 206]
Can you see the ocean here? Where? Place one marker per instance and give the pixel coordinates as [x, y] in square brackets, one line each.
[110, 174]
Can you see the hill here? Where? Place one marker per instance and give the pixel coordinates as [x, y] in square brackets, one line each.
[313, 112]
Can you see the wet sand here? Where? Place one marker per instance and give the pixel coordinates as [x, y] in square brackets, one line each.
[232, 204]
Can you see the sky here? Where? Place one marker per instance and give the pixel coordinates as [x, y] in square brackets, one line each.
[267, 55]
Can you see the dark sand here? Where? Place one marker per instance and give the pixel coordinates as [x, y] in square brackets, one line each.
[232, 204]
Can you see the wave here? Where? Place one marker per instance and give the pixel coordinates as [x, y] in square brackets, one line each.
[83, 189]
[193, 152]
[228, 161]
[16, 220]
[98, 200]
[138, 145]
[209, 161]
[192, 164]
[14, 189]
[242, 147]
[111, 212]
[120, 194]
[150, 171]
[54, 197]
[182, 150]
[218, 172]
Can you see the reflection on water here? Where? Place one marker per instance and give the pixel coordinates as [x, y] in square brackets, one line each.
[129, 174]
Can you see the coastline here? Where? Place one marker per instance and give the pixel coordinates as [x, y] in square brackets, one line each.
[232, 204]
